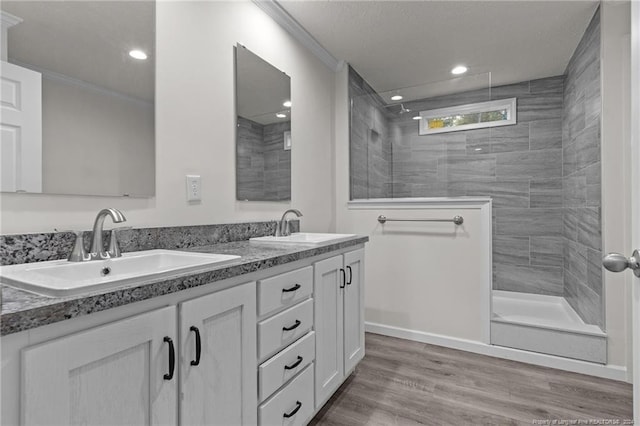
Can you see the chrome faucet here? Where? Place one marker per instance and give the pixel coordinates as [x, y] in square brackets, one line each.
[282, 228]
[97, 251]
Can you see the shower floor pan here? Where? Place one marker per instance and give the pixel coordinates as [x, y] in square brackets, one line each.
[544, 324]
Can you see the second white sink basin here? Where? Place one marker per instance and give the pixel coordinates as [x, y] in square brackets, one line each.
[308, 238]
[62, 278]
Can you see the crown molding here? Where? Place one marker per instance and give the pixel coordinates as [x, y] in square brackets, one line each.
[286, 21]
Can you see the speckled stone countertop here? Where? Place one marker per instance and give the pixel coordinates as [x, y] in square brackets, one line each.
[23, 310]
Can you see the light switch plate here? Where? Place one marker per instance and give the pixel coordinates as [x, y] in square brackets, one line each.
[194, 188]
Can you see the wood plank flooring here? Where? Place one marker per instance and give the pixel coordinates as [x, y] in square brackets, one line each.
[400, 382]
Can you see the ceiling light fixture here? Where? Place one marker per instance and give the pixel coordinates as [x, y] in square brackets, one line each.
[287, 104]
[138, 54]
[460, 69]
[281, 115]
[396, 98]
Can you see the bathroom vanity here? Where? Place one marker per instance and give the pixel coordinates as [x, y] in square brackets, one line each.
[266, 339]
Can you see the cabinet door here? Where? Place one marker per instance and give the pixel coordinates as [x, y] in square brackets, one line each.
[222, 388]
[329, 368]
[113, 374]
[354, 309]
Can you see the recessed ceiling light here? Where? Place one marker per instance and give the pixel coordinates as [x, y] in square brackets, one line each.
[460, 69]
[138, 54]
[417, 117]
[287, 104]
[281, 115]
[396, 98]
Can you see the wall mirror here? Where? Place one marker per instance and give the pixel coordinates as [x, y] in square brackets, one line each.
[78, 97]
[263, 133]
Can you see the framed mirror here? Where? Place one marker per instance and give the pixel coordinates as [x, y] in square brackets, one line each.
[263, 129]
[78, 83]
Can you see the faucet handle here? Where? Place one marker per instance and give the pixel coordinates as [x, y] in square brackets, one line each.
[78, 254]
[114, 247]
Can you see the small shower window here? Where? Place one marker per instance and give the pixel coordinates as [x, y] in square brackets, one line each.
[466, 117]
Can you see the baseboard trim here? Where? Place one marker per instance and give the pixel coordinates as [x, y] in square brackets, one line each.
[613, 372]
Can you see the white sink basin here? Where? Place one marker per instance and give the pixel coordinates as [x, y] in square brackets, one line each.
[304, 238]
[62, 278]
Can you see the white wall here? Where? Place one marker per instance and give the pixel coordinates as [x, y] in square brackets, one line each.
[195, 131]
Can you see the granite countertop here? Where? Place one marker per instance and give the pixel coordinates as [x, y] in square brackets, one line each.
[22, 310]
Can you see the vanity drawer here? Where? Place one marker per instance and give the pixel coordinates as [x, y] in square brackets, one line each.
[284, 328]
[284, 290]
[282, 367]
[295, 401]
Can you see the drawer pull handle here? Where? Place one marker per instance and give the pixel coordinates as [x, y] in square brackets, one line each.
[172, 358]
[293, 327]
[198, 345]
[344, 278]
[350, 275]
[294, 365]
[295, 410]
[294, 288]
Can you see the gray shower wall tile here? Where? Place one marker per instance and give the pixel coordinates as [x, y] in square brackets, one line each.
[594, 271]
[509, 250]
[574, 190]
[546, 134]
[503, 192]
[529, 279]
[530, 164]
[510, 138]
[549, 85]
[583, 300]
[546, 193]
[528, 222]
[539, 107]
[463, 167]
[588, 146]
[547, 251]
[589, 227]
[510, 90]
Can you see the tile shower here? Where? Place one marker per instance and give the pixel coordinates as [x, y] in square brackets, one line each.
[543, 173]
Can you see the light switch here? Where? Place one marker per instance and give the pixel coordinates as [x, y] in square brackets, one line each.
[194, 188]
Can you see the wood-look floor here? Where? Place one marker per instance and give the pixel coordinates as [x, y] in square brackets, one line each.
[400, 382]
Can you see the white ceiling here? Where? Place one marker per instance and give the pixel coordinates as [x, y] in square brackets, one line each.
[397, 44]
[88, 41]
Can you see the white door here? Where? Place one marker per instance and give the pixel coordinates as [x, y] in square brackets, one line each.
[635, 196]
[21, 125]
[117, 374]
[619, 262]
[329, 283]
[218, 358]
[354, 309]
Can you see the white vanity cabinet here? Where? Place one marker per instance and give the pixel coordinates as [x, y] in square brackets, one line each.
[218, 357]
[270, 351]
[116, 374]
[339, 320]
[126, 372]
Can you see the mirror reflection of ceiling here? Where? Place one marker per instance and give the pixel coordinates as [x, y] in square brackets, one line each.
[396, 44]
[48, 38]
[263, 91]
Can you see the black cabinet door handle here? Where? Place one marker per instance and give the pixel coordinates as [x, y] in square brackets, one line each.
[344, 278]
[294, 288]
[293, 327]
[294, 365]
[295, 410]
[198, 345]
[350, 275]
[172, 358]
